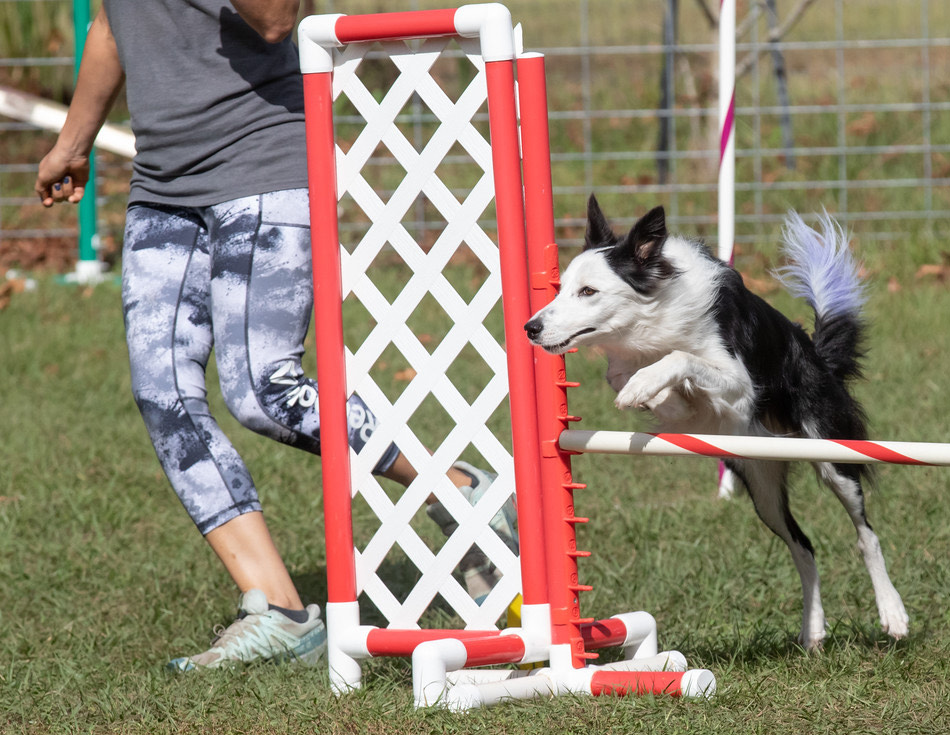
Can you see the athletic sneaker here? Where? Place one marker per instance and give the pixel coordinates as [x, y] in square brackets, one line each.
[478, 571]
[261, 633]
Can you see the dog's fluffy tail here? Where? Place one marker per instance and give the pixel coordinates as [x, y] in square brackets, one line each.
[821, 270]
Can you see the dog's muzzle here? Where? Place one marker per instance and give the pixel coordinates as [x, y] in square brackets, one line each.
[534, 329]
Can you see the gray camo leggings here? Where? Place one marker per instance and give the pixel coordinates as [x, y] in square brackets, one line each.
[236, 276]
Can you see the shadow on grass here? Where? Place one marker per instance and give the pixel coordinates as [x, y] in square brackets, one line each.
[312, 586]
[400, 575]
[770, 643]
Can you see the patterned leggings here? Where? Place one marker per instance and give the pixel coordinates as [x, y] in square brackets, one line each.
[236, 276]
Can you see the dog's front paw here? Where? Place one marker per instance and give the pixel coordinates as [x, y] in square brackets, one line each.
[666, 403]
[630, 397]
[646, 388]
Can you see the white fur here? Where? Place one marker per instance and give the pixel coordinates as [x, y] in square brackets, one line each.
[663, 352]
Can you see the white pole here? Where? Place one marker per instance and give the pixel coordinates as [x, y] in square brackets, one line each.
[727, 141]
[51, 116]
[727, 162]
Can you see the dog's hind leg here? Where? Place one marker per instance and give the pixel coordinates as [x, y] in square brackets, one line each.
[845, 482]
[766, 482]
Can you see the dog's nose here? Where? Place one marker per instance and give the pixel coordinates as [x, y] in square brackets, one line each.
[533, 328]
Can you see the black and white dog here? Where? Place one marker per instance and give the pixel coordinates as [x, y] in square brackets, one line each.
[686, 340]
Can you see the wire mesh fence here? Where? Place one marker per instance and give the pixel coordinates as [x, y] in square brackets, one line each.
[839, 105]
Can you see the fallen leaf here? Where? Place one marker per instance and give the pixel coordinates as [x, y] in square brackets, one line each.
[932, 270]
[864, 125]
[6, 292]
[9, 288]
[405, 375]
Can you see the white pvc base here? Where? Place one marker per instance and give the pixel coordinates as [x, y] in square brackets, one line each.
[440, 679]
[470, 688]
[88, 273]
[346, 644]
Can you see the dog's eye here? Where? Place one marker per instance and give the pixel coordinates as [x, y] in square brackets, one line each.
[587, 291]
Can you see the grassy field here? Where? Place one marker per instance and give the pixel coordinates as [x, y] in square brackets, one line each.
[102, 577]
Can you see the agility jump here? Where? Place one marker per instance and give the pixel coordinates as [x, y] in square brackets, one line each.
[519, 257]
[522, 268]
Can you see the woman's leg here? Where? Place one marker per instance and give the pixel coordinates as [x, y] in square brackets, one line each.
[166, 298]
[245, 547]
[262, 301]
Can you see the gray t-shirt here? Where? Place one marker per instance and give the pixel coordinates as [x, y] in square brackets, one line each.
[217, 112]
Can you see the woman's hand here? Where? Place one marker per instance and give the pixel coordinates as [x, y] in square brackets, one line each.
[61, 177]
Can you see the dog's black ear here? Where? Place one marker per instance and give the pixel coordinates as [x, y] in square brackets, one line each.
[599, 232]
[647, 236]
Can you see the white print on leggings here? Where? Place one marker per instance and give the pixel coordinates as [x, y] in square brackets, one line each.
[358, 418]
[300, 393]
[238, 276]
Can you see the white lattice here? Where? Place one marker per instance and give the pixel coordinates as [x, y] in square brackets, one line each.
[455, 131]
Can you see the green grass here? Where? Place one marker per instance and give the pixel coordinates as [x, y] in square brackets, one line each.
[103, 578]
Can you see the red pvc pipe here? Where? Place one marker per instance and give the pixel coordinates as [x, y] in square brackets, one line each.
[622, 683]
[503, 649]
[393, 642]
[331, 365]
[604, 633]
[391, 26]
[560, 537]
[536, 163]
[536, 154]
[510, 213]
[482, 647]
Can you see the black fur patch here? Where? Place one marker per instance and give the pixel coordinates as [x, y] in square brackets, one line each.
[797, 390]
[637, 258]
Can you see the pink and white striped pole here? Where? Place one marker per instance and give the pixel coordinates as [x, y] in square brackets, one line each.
[727, 124]
[727, 161]
[784, 449]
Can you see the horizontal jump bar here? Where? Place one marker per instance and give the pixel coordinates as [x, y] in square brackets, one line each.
[755, 447]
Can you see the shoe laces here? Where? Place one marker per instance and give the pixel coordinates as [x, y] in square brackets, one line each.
[251, 635]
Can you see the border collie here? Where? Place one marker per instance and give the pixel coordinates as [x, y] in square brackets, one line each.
[687, 341]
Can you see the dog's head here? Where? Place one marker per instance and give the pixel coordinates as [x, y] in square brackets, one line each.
[608, 288]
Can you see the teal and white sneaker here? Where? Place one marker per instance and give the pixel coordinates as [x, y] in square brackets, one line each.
[505, 521]
[478, 571]
[261, 634]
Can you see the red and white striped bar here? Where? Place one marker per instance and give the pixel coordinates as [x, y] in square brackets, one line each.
[784, 449]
